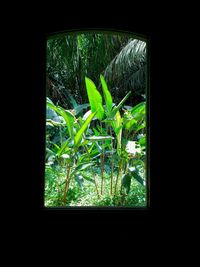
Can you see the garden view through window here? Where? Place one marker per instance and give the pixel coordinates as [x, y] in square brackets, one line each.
[96, 134]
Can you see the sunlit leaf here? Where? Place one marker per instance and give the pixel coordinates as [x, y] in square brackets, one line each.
[67, 115]
[99, 138]
[107, 95]
[116, 109]
[78, 136]
[63, 148]
[95, 98]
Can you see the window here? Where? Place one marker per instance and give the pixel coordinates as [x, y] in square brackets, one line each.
[96, 120]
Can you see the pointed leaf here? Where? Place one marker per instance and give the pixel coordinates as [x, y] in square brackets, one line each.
[126, 182]
[107, 95]
[138, 178]
[82, 167]
[88, 178]
[95, 98]
[78, 136]
[99, 138]
[115, 109]
[67, 115]
[130, 125]
[63, 148]
[138, 108]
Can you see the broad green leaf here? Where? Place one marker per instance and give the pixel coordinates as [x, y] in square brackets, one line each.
[67, 115]
[99, 138]
[96, 132]
[86, 115]
[63, 148]
[88, 178]
[53, 123]
[139, 108]
[50, 151]
[107, 95]
[84, 166]
[131, 124]
[142, 141]
[136, 176]
[95, 98]
[80, 108]
[69, 119]
[126, 182]
[80, 132]
[115, 109]
[139, 127]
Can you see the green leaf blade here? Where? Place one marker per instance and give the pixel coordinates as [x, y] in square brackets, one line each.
[99, 138]
[117, 108]
[126, 182]
[67, 115]
[95, 98]
[107, 95]
[78, 135]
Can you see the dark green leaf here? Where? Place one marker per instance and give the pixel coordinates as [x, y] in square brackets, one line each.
[88, 178]
[83, 166]
[138, 178]
[126, 182]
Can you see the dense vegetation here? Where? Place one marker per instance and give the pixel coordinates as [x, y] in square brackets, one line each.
[95, 143]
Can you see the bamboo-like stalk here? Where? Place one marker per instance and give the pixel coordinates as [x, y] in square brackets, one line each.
[102, 166]
[96, 185]
[102, 172]
[66, 185]
[58, 185]
[111, 178]
[118, 174]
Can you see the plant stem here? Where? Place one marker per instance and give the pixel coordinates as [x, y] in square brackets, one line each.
[96, 185]
[58, 184]
[61, 141]
[66, 185]
[111, 178]
[102, 171]
[118, 173]
[102, 165]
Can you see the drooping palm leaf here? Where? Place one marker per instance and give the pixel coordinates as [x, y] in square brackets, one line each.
[128, 68]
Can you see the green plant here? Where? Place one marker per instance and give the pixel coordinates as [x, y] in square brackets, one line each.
[108, 137]
[135, 117]
[69, 149]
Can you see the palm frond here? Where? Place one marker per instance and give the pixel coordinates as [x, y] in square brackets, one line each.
[127, 69]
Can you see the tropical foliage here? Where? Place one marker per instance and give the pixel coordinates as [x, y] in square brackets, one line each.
[95, 143]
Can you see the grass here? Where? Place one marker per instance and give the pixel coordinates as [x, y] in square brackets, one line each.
[86, 194]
